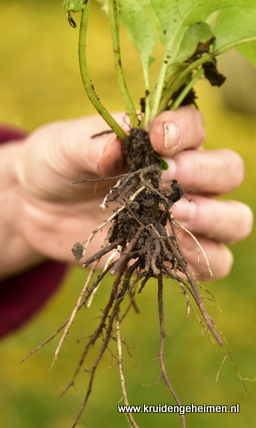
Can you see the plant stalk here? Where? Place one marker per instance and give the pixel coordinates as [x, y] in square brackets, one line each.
[89, 88]
[113, 6]
[177, 102]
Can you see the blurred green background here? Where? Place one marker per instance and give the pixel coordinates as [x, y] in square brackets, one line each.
[40, 83]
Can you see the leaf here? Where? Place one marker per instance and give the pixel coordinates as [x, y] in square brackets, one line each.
[201, 10]
[163, 164]
[198, 33]
[234, 25]
[140, 30]
[176, 17]
[168, 14]
[73, 6]
[249, 51]
[174, 13]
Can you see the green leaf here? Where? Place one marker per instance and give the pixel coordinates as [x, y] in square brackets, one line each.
[139, 27]
[74, 5]
[175, 14]
[197, 10]
[234, 26]
[140, 30]
[249, 51]
[176, 17]
[163, 164]
[168, 14]
[198, 33]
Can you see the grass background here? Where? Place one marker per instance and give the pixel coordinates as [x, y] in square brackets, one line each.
[40, 83]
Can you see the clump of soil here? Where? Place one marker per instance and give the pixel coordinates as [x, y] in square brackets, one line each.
[143, 230]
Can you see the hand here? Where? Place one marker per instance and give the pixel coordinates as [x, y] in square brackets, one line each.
[204, 174]
[56, 213]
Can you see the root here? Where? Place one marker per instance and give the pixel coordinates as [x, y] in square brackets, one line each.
[198, 244]
[124, 398]
[142, 243]
[139, 235]
[164, 374]
[74, 312]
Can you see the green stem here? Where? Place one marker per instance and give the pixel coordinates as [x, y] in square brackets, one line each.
[176, 103]
[171, 49]
[113, 19]
[145, 118]
[218, 52]
[89, 88]
[184, 75]
[232, 45]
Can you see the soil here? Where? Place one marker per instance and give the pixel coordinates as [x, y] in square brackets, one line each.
[143, 230]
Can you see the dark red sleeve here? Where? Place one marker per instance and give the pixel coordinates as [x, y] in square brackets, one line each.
[24, 295]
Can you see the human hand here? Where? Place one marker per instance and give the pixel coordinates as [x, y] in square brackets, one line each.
[204, 174]
[56, 213]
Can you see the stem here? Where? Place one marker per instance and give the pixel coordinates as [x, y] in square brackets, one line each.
[188, 70]
[113, 19]
[89, 88]
[234, 44]
[170, 52]
[216, 53]
[176, 103]
[145, 119]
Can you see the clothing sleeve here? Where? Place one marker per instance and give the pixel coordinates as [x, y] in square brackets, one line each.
[23, 295]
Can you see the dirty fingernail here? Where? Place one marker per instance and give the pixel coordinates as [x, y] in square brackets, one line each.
[171, 135]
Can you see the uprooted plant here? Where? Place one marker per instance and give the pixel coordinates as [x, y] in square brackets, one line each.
[142, 241]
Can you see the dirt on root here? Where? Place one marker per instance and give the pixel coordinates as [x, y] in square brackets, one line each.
[142, 242]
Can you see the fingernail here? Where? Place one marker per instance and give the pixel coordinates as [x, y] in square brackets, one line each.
[171, 135]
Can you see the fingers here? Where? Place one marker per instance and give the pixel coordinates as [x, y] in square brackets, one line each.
[174, 131]
[219, 257]
[92, 148]
[223, 221]
[213, 223]
[215, 172]
[72, 140]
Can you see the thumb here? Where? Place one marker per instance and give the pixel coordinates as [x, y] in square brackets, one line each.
[174, 131]
[105, 155]
[89, 147]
